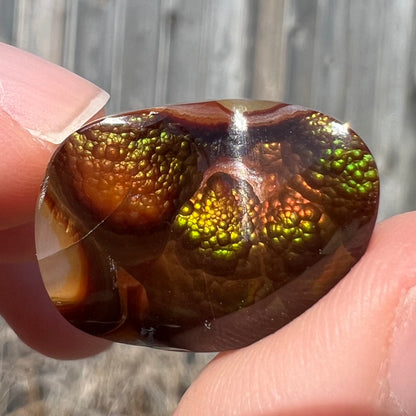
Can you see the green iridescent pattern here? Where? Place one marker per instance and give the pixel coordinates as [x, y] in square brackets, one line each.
[216, 224]
[203, 226]
[137, 175]
[295, 229]
[343, 176]
[320, 168]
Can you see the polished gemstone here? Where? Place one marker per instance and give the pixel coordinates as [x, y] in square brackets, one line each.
[205, 226]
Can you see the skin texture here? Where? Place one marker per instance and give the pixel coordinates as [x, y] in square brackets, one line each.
[353, 353]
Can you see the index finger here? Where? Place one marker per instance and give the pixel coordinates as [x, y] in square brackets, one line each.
[40, 105]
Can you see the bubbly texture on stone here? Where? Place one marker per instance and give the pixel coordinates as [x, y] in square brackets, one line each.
[205, 226]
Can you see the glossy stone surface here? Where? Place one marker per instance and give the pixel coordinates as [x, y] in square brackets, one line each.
[203, 226]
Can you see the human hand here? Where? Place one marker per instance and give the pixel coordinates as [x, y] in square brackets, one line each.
[354, 353]
[40, 104]
[351, 354]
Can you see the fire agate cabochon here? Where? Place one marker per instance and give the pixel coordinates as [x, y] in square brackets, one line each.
[205, 226]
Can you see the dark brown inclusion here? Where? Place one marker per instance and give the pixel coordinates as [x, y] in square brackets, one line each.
[206, 226]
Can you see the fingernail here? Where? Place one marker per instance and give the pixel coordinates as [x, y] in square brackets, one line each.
[402, 365]
[45, 99]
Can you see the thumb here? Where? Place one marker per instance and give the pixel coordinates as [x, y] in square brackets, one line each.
[353, 353]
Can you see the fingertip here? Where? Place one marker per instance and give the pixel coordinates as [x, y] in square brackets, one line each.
[40, 105]
[22, 167]
[45, 99]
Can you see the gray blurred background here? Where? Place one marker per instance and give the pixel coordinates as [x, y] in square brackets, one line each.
[352, 59]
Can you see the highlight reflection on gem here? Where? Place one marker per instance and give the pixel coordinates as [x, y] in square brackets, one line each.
[203, 226]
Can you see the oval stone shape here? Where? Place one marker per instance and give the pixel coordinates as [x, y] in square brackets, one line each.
[203, 227]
